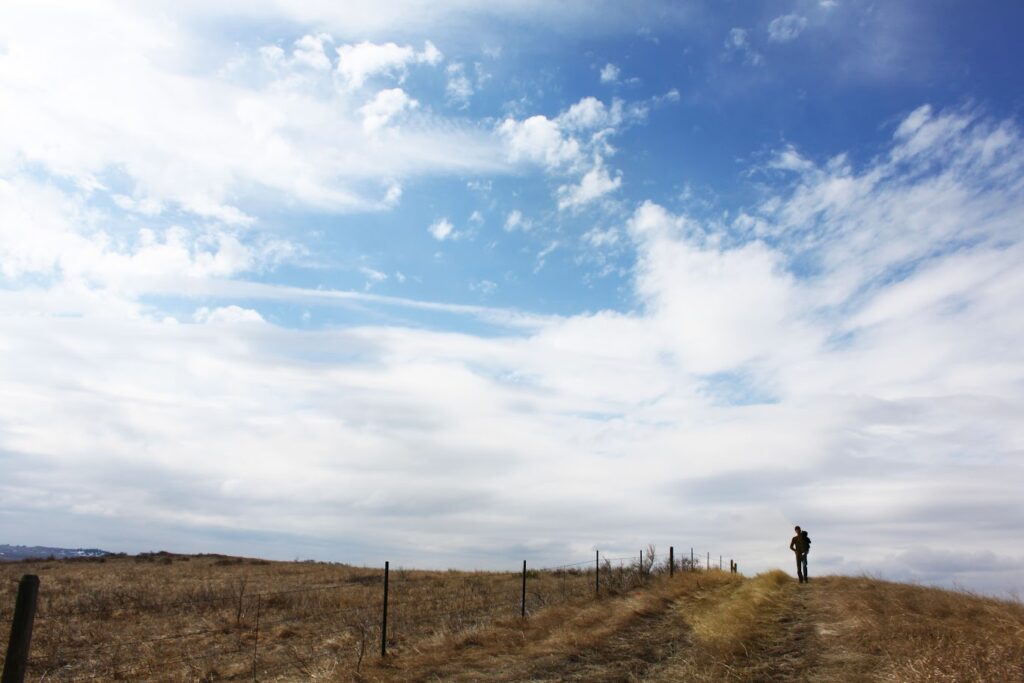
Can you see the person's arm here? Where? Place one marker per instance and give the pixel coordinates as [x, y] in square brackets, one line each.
[792, 544]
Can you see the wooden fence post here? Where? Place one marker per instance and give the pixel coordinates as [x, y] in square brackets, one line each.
[21, 629]
[671, 561]
[256, 637]
[709, 562]
[523, 610]
[597, 573]
[691, 559]
[384, 620]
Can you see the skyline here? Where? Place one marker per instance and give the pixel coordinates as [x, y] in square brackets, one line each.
[471, 284]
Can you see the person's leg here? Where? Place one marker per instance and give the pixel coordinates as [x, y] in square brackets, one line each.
[799, 568]
[806, 575]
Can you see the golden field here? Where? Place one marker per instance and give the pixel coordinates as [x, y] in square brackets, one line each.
[210, 618]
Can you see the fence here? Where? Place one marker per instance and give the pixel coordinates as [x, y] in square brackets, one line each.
[232, 631]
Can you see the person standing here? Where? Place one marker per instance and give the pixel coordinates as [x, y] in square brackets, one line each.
[799, 546]
[807, 551]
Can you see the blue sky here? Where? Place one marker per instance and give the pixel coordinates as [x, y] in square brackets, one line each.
[463, 283]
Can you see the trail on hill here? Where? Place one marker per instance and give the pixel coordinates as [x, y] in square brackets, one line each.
[630, 654]
[726, 629]
[765, 636]
[767, 628]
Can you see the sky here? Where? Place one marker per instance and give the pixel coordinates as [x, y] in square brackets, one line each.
[462, 283]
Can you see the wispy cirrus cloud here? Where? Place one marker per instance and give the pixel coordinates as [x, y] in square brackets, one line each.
[122, 101]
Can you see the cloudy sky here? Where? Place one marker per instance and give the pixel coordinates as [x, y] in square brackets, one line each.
[465, 283]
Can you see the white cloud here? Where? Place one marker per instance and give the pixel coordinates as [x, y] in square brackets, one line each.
[786, 28]
[309, 50]
[590, 113]
[393, 194]
[538, 139]
[361, 61]
[789, 159]
[372, 274]
[609, 73]
[385, 106]
[126, 96]
[515, 221]
[671, 96]
[575, 143]
[598, 238]
[881, 387]
[227, 315]
[542, 255]
[44, 232]
[442, 229]
[738, 42]
[459, 89]
[594, 184]
[483, 287]
[861, 327]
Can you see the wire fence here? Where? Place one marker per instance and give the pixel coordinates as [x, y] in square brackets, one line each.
[231, 631]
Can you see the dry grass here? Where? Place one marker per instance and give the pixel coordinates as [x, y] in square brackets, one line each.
[175, 618]
[587, 641]
[206, 618]
[882, 631]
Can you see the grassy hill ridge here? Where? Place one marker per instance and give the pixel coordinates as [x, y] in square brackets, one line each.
[720, 627]
[166, 617]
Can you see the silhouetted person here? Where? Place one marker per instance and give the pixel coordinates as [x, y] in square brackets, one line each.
[807, 551]
[799, 545]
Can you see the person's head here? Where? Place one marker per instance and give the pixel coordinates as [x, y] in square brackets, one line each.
[796, 529]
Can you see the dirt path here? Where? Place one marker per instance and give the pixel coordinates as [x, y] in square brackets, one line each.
[791, 653]
[768, 630]
[630, 654]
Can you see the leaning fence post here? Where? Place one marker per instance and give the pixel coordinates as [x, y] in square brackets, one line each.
[522, 612]
[691, 560]
[384, 620]
[597, 573]
[21, 629]
[671, 561]
[256, 635]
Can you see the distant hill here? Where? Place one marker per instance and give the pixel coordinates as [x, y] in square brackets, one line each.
[16, 553]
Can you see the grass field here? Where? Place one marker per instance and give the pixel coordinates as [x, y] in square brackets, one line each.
[173, 617]
[177, 618]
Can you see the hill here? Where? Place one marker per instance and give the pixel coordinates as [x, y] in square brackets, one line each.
[18, 553]
[720, 627]
[160, 616]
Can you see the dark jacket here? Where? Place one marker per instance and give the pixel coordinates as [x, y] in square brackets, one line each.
[798, 545]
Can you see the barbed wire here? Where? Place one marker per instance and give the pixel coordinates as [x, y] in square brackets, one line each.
[561, 566]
